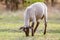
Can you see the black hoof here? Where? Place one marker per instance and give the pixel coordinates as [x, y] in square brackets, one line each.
[44, 33]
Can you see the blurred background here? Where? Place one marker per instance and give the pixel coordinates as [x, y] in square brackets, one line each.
[12, 18]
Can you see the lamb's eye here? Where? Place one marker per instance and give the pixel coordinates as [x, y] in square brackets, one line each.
[25, 30]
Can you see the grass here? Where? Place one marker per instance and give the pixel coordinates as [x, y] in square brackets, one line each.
[10, 22]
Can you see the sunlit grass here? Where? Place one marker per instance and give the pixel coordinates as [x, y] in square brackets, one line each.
[11, 22]
[10, 31]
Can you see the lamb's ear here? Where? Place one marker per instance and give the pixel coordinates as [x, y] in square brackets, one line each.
[21, 28]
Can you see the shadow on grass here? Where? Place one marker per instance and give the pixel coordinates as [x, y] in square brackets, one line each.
[19, 31]
[53, 31]
[49, 31]
[10, 30]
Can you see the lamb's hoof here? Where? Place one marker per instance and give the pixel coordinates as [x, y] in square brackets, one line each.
[32, 35]
[44, 33]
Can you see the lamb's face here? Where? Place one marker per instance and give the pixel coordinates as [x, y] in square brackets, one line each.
[26, 30]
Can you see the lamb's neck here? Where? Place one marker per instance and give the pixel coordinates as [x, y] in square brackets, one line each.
[26, 22]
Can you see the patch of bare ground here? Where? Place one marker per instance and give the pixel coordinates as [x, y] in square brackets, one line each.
[2, 6]
[54, 9]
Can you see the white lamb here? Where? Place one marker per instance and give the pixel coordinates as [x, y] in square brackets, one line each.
[34, 13]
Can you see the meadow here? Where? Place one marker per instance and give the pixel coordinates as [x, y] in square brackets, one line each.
[10, 22]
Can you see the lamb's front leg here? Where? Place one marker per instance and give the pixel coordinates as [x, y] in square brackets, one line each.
[32, 26]
[36, 27]
[33, 21]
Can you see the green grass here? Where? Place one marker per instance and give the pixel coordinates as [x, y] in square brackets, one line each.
[11, 22]
[10, 31]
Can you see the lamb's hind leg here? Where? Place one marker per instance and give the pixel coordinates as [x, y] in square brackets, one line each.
[37, 24]
[45, 23]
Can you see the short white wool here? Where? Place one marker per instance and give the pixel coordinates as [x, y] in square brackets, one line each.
[34, 12]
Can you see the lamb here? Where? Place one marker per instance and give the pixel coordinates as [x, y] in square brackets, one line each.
[34, 13]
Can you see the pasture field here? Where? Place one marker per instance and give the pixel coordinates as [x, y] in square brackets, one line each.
[10, 22]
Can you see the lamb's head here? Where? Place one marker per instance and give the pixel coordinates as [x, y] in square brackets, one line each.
[26, 30]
